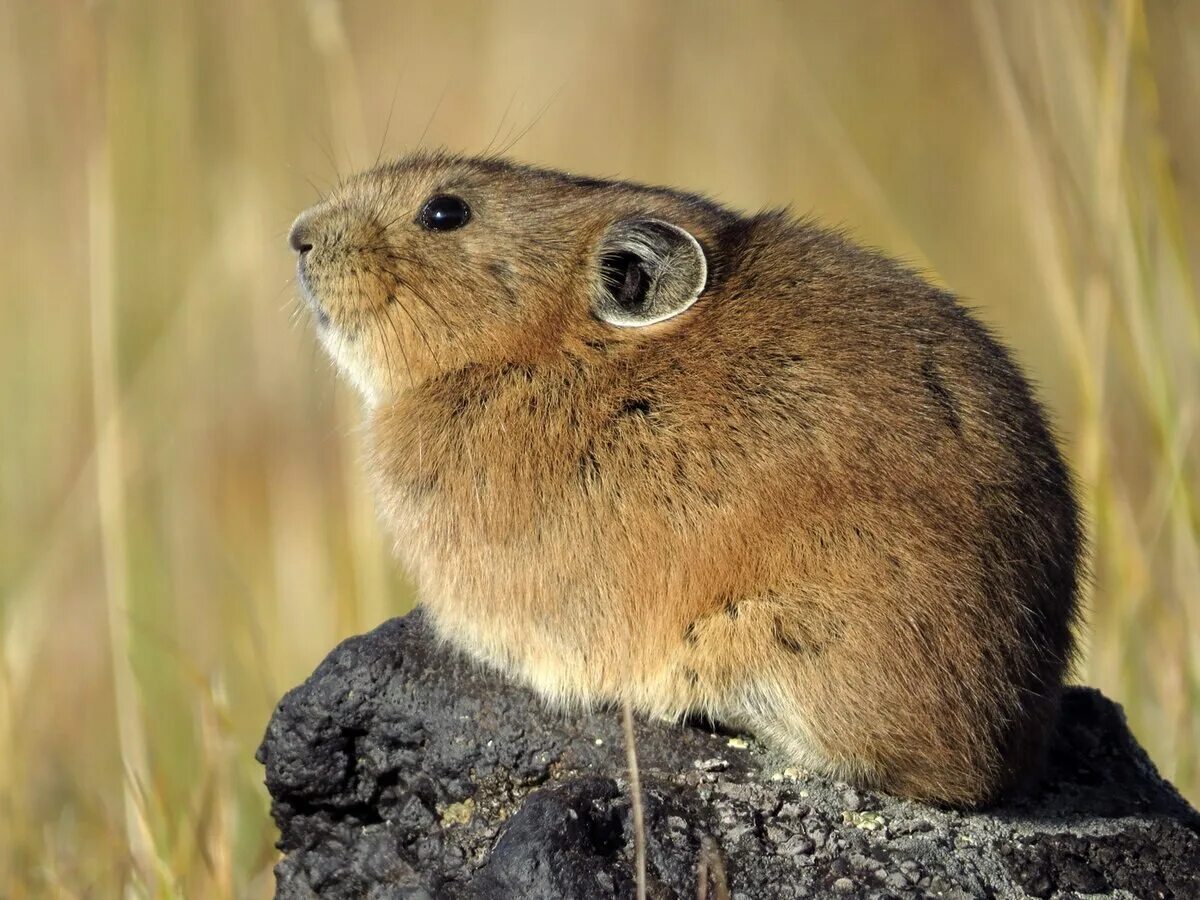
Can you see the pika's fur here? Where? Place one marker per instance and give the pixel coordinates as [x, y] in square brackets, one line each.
[634, 446]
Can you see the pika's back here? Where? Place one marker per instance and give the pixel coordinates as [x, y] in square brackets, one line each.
[634, 445]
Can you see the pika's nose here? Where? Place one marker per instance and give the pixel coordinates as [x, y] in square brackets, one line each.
[300, 237]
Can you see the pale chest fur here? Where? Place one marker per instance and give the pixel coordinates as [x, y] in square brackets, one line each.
[521, 585]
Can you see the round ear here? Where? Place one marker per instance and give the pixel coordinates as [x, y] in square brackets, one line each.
[650, 270]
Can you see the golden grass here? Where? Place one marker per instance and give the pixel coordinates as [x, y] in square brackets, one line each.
[184, 531]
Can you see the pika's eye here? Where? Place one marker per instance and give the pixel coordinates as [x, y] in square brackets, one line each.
[445, 212]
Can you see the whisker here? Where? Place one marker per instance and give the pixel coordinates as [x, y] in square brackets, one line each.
[387, 127]
[383, 339]
[394, 255]
[503, 118]
[417, 325]
[416, 292]
[537, 118]
[327, 152]
[316, 189]
[371, 317]
[432, 115]
[384, 226]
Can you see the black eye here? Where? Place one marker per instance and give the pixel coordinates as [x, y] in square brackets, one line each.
[445, 212]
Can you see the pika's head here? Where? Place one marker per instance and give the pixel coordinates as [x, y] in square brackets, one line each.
[435, 262]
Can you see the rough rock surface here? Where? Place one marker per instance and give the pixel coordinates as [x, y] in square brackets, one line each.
[401, 770]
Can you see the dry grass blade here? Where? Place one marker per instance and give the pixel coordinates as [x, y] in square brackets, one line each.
[711, 871]
[636, 800]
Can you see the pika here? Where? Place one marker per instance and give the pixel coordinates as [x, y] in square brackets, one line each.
[636, 447]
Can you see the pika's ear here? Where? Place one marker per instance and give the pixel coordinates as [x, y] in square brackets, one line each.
[650, 270]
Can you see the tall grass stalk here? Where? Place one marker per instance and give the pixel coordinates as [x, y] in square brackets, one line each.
[110, 487]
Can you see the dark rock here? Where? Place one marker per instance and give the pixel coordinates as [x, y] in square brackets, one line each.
[402, 770]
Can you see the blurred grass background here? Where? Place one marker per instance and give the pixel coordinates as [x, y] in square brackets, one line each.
[184, 531]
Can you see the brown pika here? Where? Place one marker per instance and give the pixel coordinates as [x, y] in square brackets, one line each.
[636, 447]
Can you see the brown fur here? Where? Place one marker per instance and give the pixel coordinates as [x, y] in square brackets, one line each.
[820, 504]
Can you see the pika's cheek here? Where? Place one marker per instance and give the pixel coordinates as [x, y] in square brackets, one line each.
[351, 295]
